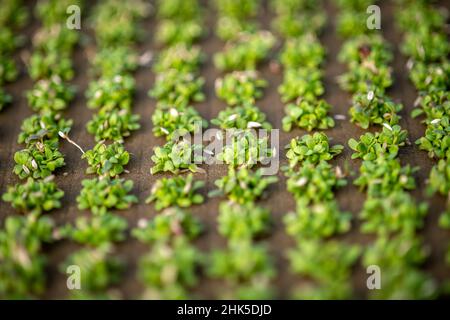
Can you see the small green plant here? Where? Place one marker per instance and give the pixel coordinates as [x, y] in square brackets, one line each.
[425, 46]
[170, 268]
[96, 230]
[180, 57]
[366, 49]
[434, 104]
[364, 78]
[99, 269]
[245, 149]
[307, 115]
[245, 52]
[243, 185]
[173, 88]
[44, 65]
[239, 9]
[116, 23]
[374, 108]
[396, 212]
[400, 257]
[174, 32]
[436, 140]
[173, 123]
[292, 24]
[111, 93]
[430, 77]
[21, 240]
[106, 159]
[112, 61]
[50, 95]
[52, 12]
[384, 176]
[367, 58]
[102, 194]
[304, 51]
[46, 126]
[242, 117]
[315, 182]
[34, 196]
[311, 148]
[170, 223]
[13, 13]
[176, 191]
[113, 125]
[439, 181]
[317, 220]
[229, 263]
[39, 160]
[330, 270]
[242, 221]
[176, 157]
[301, 83]
[234, 18]
[240, 87]
[55, 38]
[379, 144]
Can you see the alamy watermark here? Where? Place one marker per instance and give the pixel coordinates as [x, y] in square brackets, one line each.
[374, 279]
[73, 277]
[373, 21]
[73, 22]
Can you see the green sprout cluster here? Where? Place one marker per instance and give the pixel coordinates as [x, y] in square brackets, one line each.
[13, 16]
[311, 148]
[321, 265]
[100, 271]
[296, 17]
[95, 231]
[34, 196]
[102, 194]
[110, 94]
[311, 180]
[176, 157]
[177, 191]
[243, 185]
[236, 17]
[302, 86]
[425, 43]
[106, 159]
[240, 87]
[50, 66]
[22, 264]
[247, 278]
[169, 224]
[245, 150]
[389, 211]
[400, 259]
[177, 85]
[180, 22]
[169, 270]
[241, 220]
[367, 78]
[245, 52]
[352, 18]
[328, 264]
[242, 117]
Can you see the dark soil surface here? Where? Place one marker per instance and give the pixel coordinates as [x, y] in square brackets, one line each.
[141, 142]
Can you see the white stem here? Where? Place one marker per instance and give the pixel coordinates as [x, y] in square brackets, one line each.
[65, 136]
